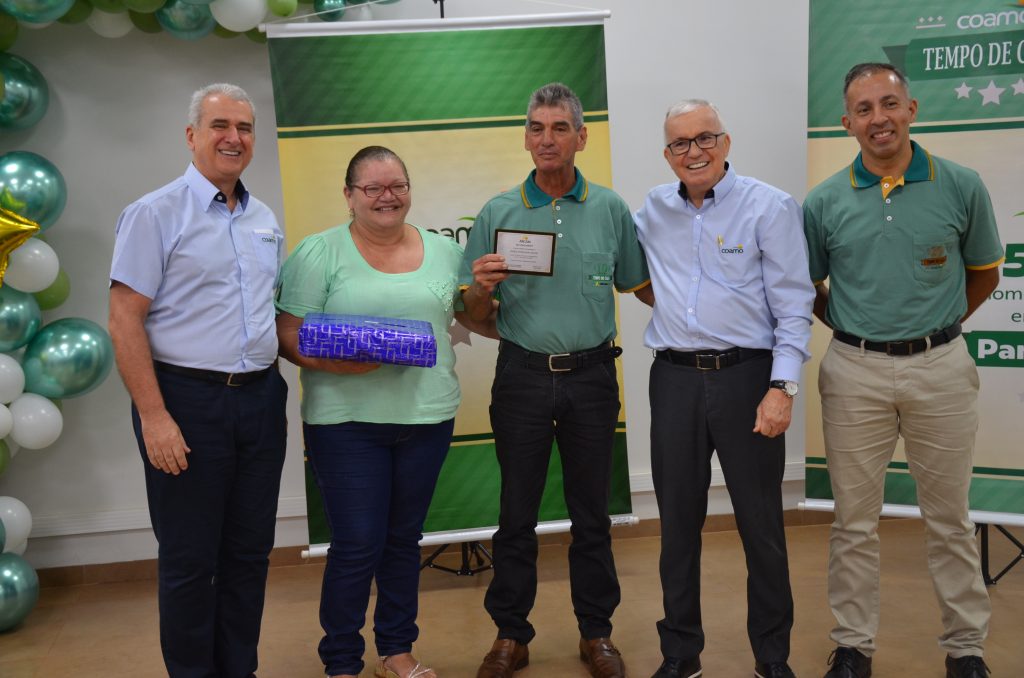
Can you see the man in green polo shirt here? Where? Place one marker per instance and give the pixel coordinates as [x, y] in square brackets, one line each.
[555, 378]
[909, 245]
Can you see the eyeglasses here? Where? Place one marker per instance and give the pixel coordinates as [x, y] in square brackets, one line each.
[376, 190]
[705, 141]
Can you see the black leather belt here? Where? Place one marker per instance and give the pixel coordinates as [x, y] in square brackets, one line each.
[711, 360]
[559, 362]
[904, 347]
[226, 378]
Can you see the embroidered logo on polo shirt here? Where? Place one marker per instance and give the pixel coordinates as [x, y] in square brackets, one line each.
[935, 257]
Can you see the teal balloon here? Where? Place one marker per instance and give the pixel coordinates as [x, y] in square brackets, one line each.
[185, 21]
[19, 590]
[67, 358]
[32, 187]
[26, 94]
[19, 318]
[332, 10]
[36, 11]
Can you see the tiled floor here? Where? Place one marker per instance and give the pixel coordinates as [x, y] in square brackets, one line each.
[110, 630]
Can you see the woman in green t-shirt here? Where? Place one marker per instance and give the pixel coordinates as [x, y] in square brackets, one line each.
[375, 434]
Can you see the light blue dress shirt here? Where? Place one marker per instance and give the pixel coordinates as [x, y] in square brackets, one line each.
[732, 273]
[209, 272]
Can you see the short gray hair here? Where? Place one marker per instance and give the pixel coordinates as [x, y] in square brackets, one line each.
[689, 106]
[234, 92]
[557, 95]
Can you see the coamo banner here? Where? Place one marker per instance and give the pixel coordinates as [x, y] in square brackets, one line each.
[450, 98]
[965, 63]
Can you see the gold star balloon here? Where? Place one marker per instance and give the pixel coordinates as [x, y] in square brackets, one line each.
[14, 231]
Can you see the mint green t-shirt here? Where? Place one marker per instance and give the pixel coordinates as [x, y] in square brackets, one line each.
[326, 273]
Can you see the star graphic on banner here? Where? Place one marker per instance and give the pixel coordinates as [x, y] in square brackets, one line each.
[459, 335]
[1018, 87]
[963, 91]
[990, 95]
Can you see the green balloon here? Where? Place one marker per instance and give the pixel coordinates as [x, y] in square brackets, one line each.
[19, 590]
[31, 186]
[256, 36]
[185, 21]
[26, 94]
[110, 6]
[5, 459]
[144, 6]
[19, 318]
[36, 11]
[56, 294]
[78, 13]
[67, 358]
[282, 7]
[8, 31]
[329, 10]
[146, 23]
[222, 32]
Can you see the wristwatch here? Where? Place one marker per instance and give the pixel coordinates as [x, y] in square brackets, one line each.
[790, 388]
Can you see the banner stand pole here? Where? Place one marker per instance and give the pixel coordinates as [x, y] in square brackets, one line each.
[982, 528]
[470, 549]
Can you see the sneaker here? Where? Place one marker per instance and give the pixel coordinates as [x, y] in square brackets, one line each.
[847, 662]
[773, 670]
[968, 666]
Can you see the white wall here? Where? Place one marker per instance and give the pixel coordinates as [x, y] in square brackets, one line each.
[115, 129]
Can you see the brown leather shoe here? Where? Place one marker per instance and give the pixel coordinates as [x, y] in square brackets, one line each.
[505, 658]
[602, 658]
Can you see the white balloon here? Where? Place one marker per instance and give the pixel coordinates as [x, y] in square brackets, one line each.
[37, 421]
[18, 549]
[17, 520]
[239, 15]
[108, 25]
[34, 266]
[12, 380]
[6, 421]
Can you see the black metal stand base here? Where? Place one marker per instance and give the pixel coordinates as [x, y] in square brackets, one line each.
[470, 550]
[982, 528]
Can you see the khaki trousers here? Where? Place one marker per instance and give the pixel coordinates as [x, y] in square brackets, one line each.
[868, 399]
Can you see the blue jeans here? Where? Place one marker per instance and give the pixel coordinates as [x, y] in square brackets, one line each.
[376, 481]
[215, 521]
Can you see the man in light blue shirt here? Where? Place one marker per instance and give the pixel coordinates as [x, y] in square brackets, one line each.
[192, 320]
[730, 329]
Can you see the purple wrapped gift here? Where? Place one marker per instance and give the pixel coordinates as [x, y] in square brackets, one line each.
[368, 339]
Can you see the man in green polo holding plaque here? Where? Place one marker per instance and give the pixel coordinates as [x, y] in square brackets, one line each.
[553, 251]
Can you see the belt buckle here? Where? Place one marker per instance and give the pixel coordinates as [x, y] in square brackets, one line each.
[551, 365]
[231, 376]
[908, 350]
[716, 356]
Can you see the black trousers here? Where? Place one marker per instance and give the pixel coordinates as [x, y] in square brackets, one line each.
[531, 408]
[694, 413]
[215, 521]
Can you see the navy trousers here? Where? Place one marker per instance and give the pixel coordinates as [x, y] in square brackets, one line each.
[376, 481]
[531, 408]
[215, 521]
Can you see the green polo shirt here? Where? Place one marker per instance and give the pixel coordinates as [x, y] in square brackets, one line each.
[596, 250]
[896, 264]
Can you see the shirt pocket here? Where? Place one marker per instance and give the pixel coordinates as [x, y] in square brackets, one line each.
[731, 263]
[934, 258]
[264, 245]
[598, 275]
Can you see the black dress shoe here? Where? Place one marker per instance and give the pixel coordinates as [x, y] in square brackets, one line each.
[847, 662]
[679, 668]
[969, 666]
[773, 670]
